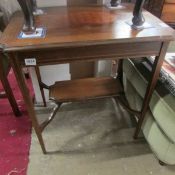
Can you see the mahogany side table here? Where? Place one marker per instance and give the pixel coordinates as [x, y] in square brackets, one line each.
[87, 34]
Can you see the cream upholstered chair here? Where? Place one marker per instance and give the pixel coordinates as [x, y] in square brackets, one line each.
[159, 124]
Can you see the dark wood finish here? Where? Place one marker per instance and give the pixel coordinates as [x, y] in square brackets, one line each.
[8, 91]
[29, 7]
[81, 69]
[155, 7]
[2, 24]
[91, 52]
[151, 85]
[85, 34]
[27, 99]
[168, 13]
[85, 89]
[40, 85]
[84, 27]
[164, 9]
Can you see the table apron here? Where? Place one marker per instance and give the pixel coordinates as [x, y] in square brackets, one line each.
[91, 53]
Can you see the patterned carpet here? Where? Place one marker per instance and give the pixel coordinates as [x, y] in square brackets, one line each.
[15, 133]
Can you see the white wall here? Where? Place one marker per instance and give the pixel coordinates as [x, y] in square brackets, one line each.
[49, 74]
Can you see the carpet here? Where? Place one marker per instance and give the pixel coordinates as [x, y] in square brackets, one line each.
[15, 133]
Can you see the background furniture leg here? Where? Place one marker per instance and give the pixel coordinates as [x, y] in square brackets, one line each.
[4, 70]
[10, 95]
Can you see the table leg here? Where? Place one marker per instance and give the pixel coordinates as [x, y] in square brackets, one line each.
[28, 101]
[9, 95]
[40, 85]
[151, 85]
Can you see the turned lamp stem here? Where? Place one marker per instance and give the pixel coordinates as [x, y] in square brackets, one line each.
[138, 19]
[26, 6]
[115, 3]
[30, 6]
[34, 6]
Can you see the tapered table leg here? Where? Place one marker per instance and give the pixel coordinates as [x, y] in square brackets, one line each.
[28, 101]
[10, 96]
[151, 86]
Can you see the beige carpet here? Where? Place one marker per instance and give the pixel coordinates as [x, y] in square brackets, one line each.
[92, 138]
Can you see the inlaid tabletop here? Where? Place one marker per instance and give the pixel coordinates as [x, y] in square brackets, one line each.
[78, 26]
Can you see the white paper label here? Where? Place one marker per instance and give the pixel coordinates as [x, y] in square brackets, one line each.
[30, 62]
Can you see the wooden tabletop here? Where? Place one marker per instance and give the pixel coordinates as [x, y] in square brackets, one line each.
[72, 26]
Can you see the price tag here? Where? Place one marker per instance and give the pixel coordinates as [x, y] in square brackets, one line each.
[30, 62]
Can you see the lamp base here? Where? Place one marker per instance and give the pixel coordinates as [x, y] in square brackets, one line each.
[38, 33]
[144, 26]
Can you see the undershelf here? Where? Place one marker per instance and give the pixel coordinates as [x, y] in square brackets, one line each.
[85, 89]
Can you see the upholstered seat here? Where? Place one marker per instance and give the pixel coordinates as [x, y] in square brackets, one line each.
[159, 124]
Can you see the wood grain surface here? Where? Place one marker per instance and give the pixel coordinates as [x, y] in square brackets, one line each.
[84, 89]
[75, 26]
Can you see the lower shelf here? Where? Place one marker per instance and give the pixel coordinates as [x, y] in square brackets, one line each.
[85, 89]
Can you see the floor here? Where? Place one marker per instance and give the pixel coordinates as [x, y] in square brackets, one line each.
[92, 138]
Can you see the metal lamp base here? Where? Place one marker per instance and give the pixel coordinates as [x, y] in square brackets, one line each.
[38, 33]
[144, 26]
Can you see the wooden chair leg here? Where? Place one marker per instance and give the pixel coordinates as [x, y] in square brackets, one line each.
[162, 163]
[10, 96]
[120, 71]
[40, 84]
